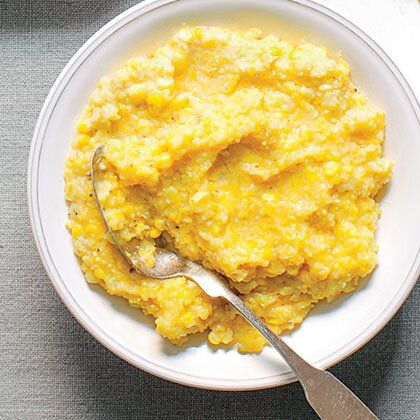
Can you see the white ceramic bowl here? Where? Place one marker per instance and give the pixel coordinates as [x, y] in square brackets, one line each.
[331, 332]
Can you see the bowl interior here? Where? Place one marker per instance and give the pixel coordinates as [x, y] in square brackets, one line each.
[331, 331]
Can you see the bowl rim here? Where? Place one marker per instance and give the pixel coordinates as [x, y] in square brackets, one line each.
[89, 324]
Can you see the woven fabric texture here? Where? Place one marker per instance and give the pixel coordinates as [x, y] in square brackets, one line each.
[50, 367]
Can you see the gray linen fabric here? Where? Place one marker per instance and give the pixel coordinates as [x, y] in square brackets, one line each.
[49, 366]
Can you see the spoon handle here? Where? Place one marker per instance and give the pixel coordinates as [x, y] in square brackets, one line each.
[329, 397]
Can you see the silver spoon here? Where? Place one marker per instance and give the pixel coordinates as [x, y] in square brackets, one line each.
[330, 398]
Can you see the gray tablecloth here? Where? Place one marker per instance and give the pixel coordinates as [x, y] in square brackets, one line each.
[49, 366]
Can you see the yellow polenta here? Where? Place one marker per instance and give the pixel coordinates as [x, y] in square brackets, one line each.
[254, 157]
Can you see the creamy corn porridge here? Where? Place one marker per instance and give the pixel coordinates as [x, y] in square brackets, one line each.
[254, 157]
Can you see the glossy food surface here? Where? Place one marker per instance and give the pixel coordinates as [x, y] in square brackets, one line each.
[254, 157]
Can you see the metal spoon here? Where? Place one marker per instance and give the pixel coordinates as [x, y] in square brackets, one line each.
[330, 398]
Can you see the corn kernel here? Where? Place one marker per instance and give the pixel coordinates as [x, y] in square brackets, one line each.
[159, 223]
[99, 273]
[185, 35]
[198, 33]
[188, 319]
[154, 233]
[83, 140]
[136, 92]
[83, 127]
[156, 99]
[332, 168]
[91, 228]
[76, 231]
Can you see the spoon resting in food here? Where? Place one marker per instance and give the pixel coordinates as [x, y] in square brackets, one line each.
[330, 398]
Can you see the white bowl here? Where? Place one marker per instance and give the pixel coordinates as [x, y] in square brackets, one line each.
[331, 332]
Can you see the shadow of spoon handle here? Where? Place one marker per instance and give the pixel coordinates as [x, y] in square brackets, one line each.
[329, 397]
